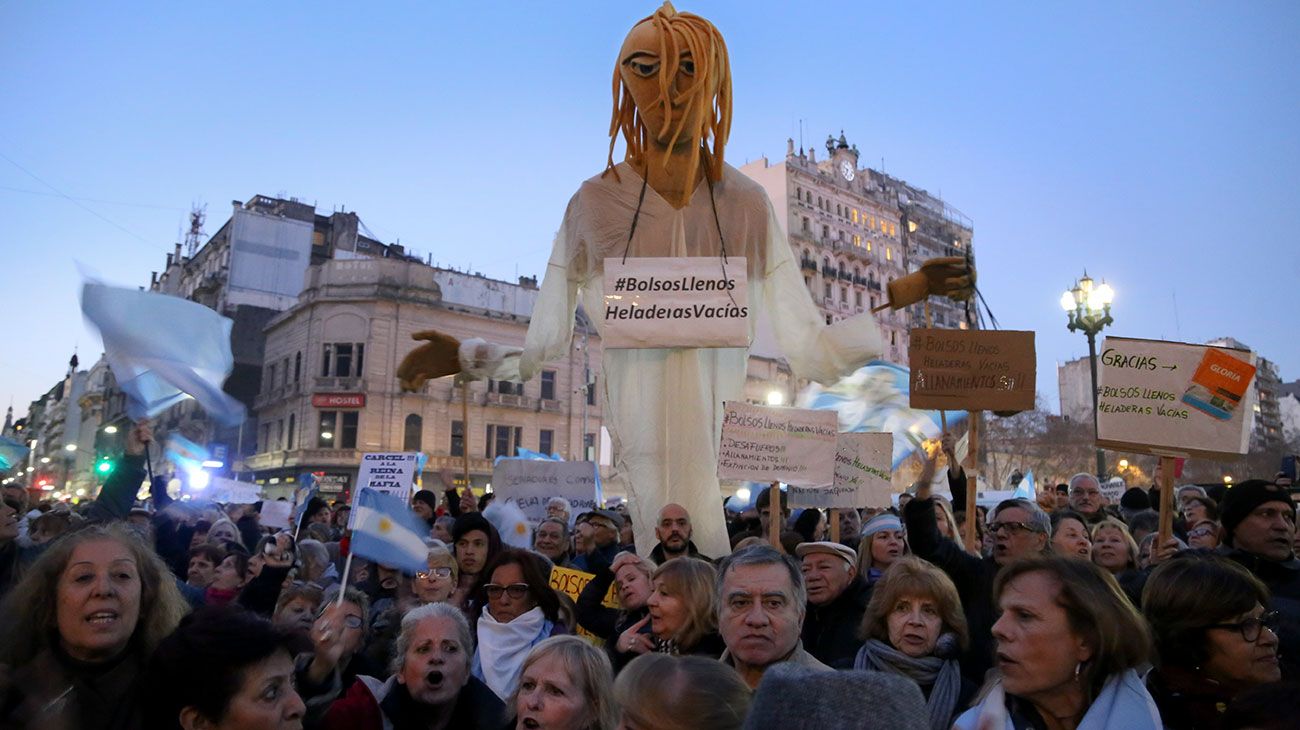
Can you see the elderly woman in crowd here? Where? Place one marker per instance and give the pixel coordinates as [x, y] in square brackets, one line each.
[1214, 638]
[1197, 508]
[1113, 547]
[566, 684]
[225, 669]
[436, 584]
[297, 607]
[1203, 535]
[79, 628]
[1070, 535]
[914, 627]
[883, 542]
[520, 610]
[1068, 646]
[431, 685]
[659, 692]
[683, 613]
[229, 579]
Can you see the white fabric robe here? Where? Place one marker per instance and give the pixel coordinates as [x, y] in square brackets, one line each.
[664, 406]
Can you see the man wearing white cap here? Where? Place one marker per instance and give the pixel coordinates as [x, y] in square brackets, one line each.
[837, 599]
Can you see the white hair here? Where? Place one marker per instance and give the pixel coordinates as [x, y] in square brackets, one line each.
[419, 615]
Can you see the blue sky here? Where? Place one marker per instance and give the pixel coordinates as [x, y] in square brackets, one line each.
[1153, 143]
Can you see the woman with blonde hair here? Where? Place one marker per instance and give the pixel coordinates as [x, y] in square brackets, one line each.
[79, 629]
[658, 692]
[566, 684]
[683, 614]
[914, 627]
[1113, 547]
[435, 584]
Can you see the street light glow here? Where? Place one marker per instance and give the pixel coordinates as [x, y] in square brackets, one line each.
[70, 447]
[743, 494]
[110, 429]
[775, 398]
[326, 435]
[1067, 301]
[45, 459]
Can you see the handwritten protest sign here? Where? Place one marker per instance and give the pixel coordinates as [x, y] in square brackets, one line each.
[531, 482]
[972, 370]
[770, 444]
[675, 302]
[392, 474]
[570, 582]
[1174, 398]
[229, 491]
[276, 514]
[862, 474]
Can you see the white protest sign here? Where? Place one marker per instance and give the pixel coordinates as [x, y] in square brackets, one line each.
[675, 302]
[276, 514]
[531, 482]
[771, 444]
[229, 491]
[392, 474]
[1113, 489]
[862, 474]
[1173, 398]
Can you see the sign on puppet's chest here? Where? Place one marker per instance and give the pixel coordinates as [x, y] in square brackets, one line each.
[675, 302]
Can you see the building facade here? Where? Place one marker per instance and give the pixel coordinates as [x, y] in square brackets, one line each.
[854, 230]
[330, 393]
[1074, 378]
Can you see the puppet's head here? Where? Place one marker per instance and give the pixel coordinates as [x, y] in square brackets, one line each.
[672, 89]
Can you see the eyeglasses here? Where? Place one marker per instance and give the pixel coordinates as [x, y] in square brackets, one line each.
[352, 622]
[1251, 628]
[443, 572]
[1011, 527]
[514, 590]
[1085, 492]
[1201, 532]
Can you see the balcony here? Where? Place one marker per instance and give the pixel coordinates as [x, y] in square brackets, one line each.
[828, 271]
[845, 275]
[340, 384]
[548, 406]
[509, 400]
[808, 265]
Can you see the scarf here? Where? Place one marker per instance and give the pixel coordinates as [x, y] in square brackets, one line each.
[1122, 703]
[942, 675]
[503, 647]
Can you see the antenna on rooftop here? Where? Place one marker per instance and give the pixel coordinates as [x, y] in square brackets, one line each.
[198, 214]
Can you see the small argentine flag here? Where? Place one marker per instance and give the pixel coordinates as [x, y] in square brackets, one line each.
[386, 531]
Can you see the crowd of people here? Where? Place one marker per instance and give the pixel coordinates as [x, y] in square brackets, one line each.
[1064, 612]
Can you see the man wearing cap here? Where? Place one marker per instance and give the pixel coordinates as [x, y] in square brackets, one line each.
[604, 525]
[1258, 520]
[837, 599]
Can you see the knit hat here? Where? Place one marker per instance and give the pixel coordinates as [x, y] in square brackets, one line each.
[427, 497]
[791, 697]
[829, 548]
[1135, 499]
[882, 521]
[1242, 499]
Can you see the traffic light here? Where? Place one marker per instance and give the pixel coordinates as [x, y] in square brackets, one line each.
[104, 466]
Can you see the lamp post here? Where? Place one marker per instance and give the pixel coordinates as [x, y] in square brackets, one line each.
[1088, 307]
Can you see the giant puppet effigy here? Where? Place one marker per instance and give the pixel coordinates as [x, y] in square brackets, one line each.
[673, 196]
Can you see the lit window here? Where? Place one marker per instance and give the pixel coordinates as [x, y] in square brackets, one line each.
[889, 254]
[855, 215]
[857, 240]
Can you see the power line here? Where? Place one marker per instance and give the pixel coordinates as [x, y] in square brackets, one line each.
[76, 202]
[171, 208]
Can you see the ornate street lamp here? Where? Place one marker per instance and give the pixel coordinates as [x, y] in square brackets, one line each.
[1088, 307]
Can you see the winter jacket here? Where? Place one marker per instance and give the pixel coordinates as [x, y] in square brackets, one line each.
[658, 555]
[830, 632]
[1123, 703]
[1283, 582]
[372, 704]
[1187, 700]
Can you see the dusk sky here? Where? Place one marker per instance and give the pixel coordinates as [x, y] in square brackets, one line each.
[1157, 144]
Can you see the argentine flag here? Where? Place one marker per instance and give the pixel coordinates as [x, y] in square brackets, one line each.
[386, 531]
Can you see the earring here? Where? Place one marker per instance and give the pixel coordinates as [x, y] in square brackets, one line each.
[1077, 668]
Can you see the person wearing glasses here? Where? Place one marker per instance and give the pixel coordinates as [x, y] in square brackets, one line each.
[1214, 638]
[1086, 498]
[520, 610]
[1204, 535]
[1020, 529]
[435, 584]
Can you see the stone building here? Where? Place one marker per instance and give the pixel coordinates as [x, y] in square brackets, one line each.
[329, 390]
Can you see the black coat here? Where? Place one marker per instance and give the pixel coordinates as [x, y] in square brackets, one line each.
[973, 576]
[830, 632]
[1283, 583]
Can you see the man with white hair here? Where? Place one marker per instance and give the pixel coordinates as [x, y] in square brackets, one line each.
[1086, 497]
[559, 508]
[837, 599]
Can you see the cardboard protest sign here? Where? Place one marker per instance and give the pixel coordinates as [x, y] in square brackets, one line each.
[1174, 398]
[531, 482]
[392, 474]
[771, 444]
[229, 491]
[972, 370]
[675, 302]
[862, 474]
[276, 514]
[1112, 489]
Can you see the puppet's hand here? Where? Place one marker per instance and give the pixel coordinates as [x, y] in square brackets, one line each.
[951, 277]
[439, 356]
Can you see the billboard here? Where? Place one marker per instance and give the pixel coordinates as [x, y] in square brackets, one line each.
[269, 256]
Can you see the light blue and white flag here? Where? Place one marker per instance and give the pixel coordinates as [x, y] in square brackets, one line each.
[12, 453]
[1026, 489]
[302, 494]
[185, 454]
[163, 349]
[386, 531]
